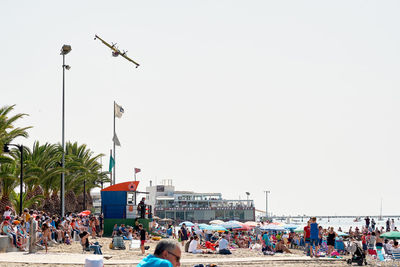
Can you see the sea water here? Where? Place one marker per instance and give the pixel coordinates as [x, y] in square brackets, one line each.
[346, 223]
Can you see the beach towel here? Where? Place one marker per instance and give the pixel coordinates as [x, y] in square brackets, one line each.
[210, 245]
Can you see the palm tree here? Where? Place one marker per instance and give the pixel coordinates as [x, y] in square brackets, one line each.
[7, 167]
[42, 175]
[9, 180]
[7, 130]
[26, 202]
[81, 166]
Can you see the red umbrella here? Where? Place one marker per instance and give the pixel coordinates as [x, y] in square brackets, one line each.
[245, 227]
[85, 213]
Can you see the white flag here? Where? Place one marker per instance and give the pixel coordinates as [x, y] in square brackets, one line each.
[118, 110]
[116, 140]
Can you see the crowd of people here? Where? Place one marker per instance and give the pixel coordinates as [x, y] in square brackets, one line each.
[314, 240]
[48, 229]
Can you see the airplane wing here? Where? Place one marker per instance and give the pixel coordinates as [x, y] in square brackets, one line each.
[125, 56]
[107, 44]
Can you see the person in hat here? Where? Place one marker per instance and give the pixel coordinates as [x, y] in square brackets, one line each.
[7, 229]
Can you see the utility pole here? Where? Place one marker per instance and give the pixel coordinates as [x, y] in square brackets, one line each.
[266, 203]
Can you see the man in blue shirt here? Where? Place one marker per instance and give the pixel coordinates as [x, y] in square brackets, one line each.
[166, 254]
[314, 236]
[266, 242]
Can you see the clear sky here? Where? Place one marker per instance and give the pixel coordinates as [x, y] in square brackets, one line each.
[297, 97]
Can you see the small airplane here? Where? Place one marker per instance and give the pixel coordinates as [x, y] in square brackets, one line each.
[115, 51]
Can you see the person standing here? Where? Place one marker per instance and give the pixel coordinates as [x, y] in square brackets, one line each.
[373, 223]
[314, 234]
[330, 240]
[371, 241]
[367, 221]
[364, 242]
[266, 242]
[141, 208]
[379, 241]
[183, 234]
[307, 238]
[143, 236]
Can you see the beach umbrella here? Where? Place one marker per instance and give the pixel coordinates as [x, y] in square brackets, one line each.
[290, 226]
[204, 226]
[216, 222]
[188, 224]
[391, 235]
[84, 213]
[216, 227]
[299, 229]
[251, 224]
[272, 227]
[231, 225]
[277, 223]
[245, 227]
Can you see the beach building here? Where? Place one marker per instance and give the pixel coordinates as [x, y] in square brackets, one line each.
[196, 207]
[96, 198]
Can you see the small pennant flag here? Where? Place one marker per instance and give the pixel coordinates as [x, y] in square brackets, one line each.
[118, 110]
[137, 170]
[116, 140]
[112, 164]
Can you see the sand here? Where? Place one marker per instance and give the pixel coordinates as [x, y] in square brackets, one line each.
[62, 255]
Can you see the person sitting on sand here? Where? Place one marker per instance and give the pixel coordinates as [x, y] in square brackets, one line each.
[89, 245]
[396, 247]
[115, 230]
[188, 243]
[67, 241]
[266, 242]
[223, 246]
[194, 246]
[280, 247]
[166, 254]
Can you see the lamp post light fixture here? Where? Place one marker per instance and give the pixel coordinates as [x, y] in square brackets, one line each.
[21, 177]
[64, 50]
[248, 194]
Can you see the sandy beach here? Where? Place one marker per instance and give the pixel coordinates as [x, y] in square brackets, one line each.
[72, 255]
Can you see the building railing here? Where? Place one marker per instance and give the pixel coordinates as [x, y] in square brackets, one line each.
[209, 208]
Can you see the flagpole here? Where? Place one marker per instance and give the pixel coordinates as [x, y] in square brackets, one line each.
[134, 170]
[101, 164]
[114, 147]
[111, 172]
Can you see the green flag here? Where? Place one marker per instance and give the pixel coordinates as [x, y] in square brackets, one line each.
[112, 164]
